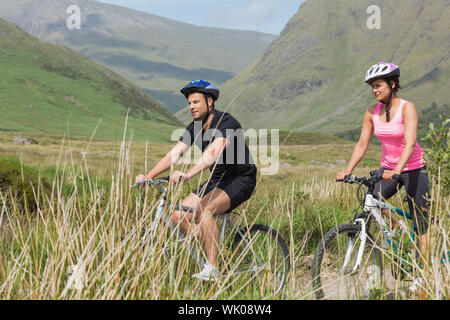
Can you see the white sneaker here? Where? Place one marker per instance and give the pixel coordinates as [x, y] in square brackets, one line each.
[402, 227]
[209, 272]
[417, 283]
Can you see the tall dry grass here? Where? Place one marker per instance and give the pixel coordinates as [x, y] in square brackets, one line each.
[84, 242]
[87, 243]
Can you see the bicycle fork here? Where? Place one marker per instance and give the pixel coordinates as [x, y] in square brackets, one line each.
[373, 282]
[363, 236]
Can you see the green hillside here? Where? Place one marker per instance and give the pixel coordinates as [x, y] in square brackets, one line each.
[426, 116]
[311, 78]
[51, 89]
[308, 138]
[156, 53]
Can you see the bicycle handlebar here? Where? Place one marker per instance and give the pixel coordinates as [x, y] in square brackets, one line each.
[143, 182]
[375, 176]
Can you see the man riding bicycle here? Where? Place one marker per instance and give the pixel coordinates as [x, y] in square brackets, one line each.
[233, 172]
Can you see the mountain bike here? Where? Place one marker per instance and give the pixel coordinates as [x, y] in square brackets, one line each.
[254, 258]
[348, 261]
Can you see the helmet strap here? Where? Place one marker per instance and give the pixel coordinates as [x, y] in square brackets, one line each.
[208, 113]
[388, 113]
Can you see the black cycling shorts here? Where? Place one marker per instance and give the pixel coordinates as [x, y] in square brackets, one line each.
[238, 188]
[417, 189]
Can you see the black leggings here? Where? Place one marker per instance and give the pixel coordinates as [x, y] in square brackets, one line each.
[417, 189]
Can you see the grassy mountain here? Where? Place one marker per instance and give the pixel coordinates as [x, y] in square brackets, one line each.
[311, 78]
[50, 89]
[158, 54]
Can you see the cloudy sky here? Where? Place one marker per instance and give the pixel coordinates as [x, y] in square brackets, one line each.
[268, 16]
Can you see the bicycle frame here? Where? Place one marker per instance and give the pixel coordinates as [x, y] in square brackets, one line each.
[193, 252]
[160, 216]
[373, 207]
[357, 238]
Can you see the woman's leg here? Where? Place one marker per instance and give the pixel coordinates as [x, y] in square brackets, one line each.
[417, 188]
[383, 191]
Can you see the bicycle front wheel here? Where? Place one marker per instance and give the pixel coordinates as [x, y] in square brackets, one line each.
[335, 272]
[260, 262]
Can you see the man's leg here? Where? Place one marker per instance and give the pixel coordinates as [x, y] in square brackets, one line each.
[185, 220]
[214, 203]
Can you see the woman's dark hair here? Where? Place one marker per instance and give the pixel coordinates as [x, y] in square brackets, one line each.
[396, 80]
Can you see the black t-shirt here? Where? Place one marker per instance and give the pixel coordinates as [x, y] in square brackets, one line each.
[236, 159]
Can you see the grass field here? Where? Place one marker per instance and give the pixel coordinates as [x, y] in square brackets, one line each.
[90, 217]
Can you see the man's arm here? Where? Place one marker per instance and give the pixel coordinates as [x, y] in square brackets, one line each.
[166, 162]
[209, 157]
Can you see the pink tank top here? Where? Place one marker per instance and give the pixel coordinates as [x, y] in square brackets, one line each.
[391, 135]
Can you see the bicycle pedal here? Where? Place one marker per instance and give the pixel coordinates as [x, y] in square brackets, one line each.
[349, 271]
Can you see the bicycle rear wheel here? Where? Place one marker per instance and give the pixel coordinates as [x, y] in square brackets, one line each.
[333, 273]
[259, 265]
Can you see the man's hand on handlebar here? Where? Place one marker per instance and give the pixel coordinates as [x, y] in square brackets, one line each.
[178, 177]
[139, 178]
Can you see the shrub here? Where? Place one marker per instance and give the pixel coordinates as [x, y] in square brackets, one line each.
[437, 150]
[20, 181]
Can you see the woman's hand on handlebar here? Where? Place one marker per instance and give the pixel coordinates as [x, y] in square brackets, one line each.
[341, 175]
[389, 175]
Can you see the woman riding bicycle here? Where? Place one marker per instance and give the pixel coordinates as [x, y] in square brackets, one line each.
[394, 121]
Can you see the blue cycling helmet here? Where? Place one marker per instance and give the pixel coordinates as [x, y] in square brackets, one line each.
[201, 86]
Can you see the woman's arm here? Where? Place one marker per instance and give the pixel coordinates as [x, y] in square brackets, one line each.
[411, 121]
[363, 144]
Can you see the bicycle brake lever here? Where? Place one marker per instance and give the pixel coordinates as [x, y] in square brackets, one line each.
[349, 178]
[142, 183]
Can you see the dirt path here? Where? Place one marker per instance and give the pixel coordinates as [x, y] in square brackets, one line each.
[391, 288]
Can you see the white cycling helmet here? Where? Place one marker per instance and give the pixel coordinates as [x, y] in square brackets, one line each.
[382, 70]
